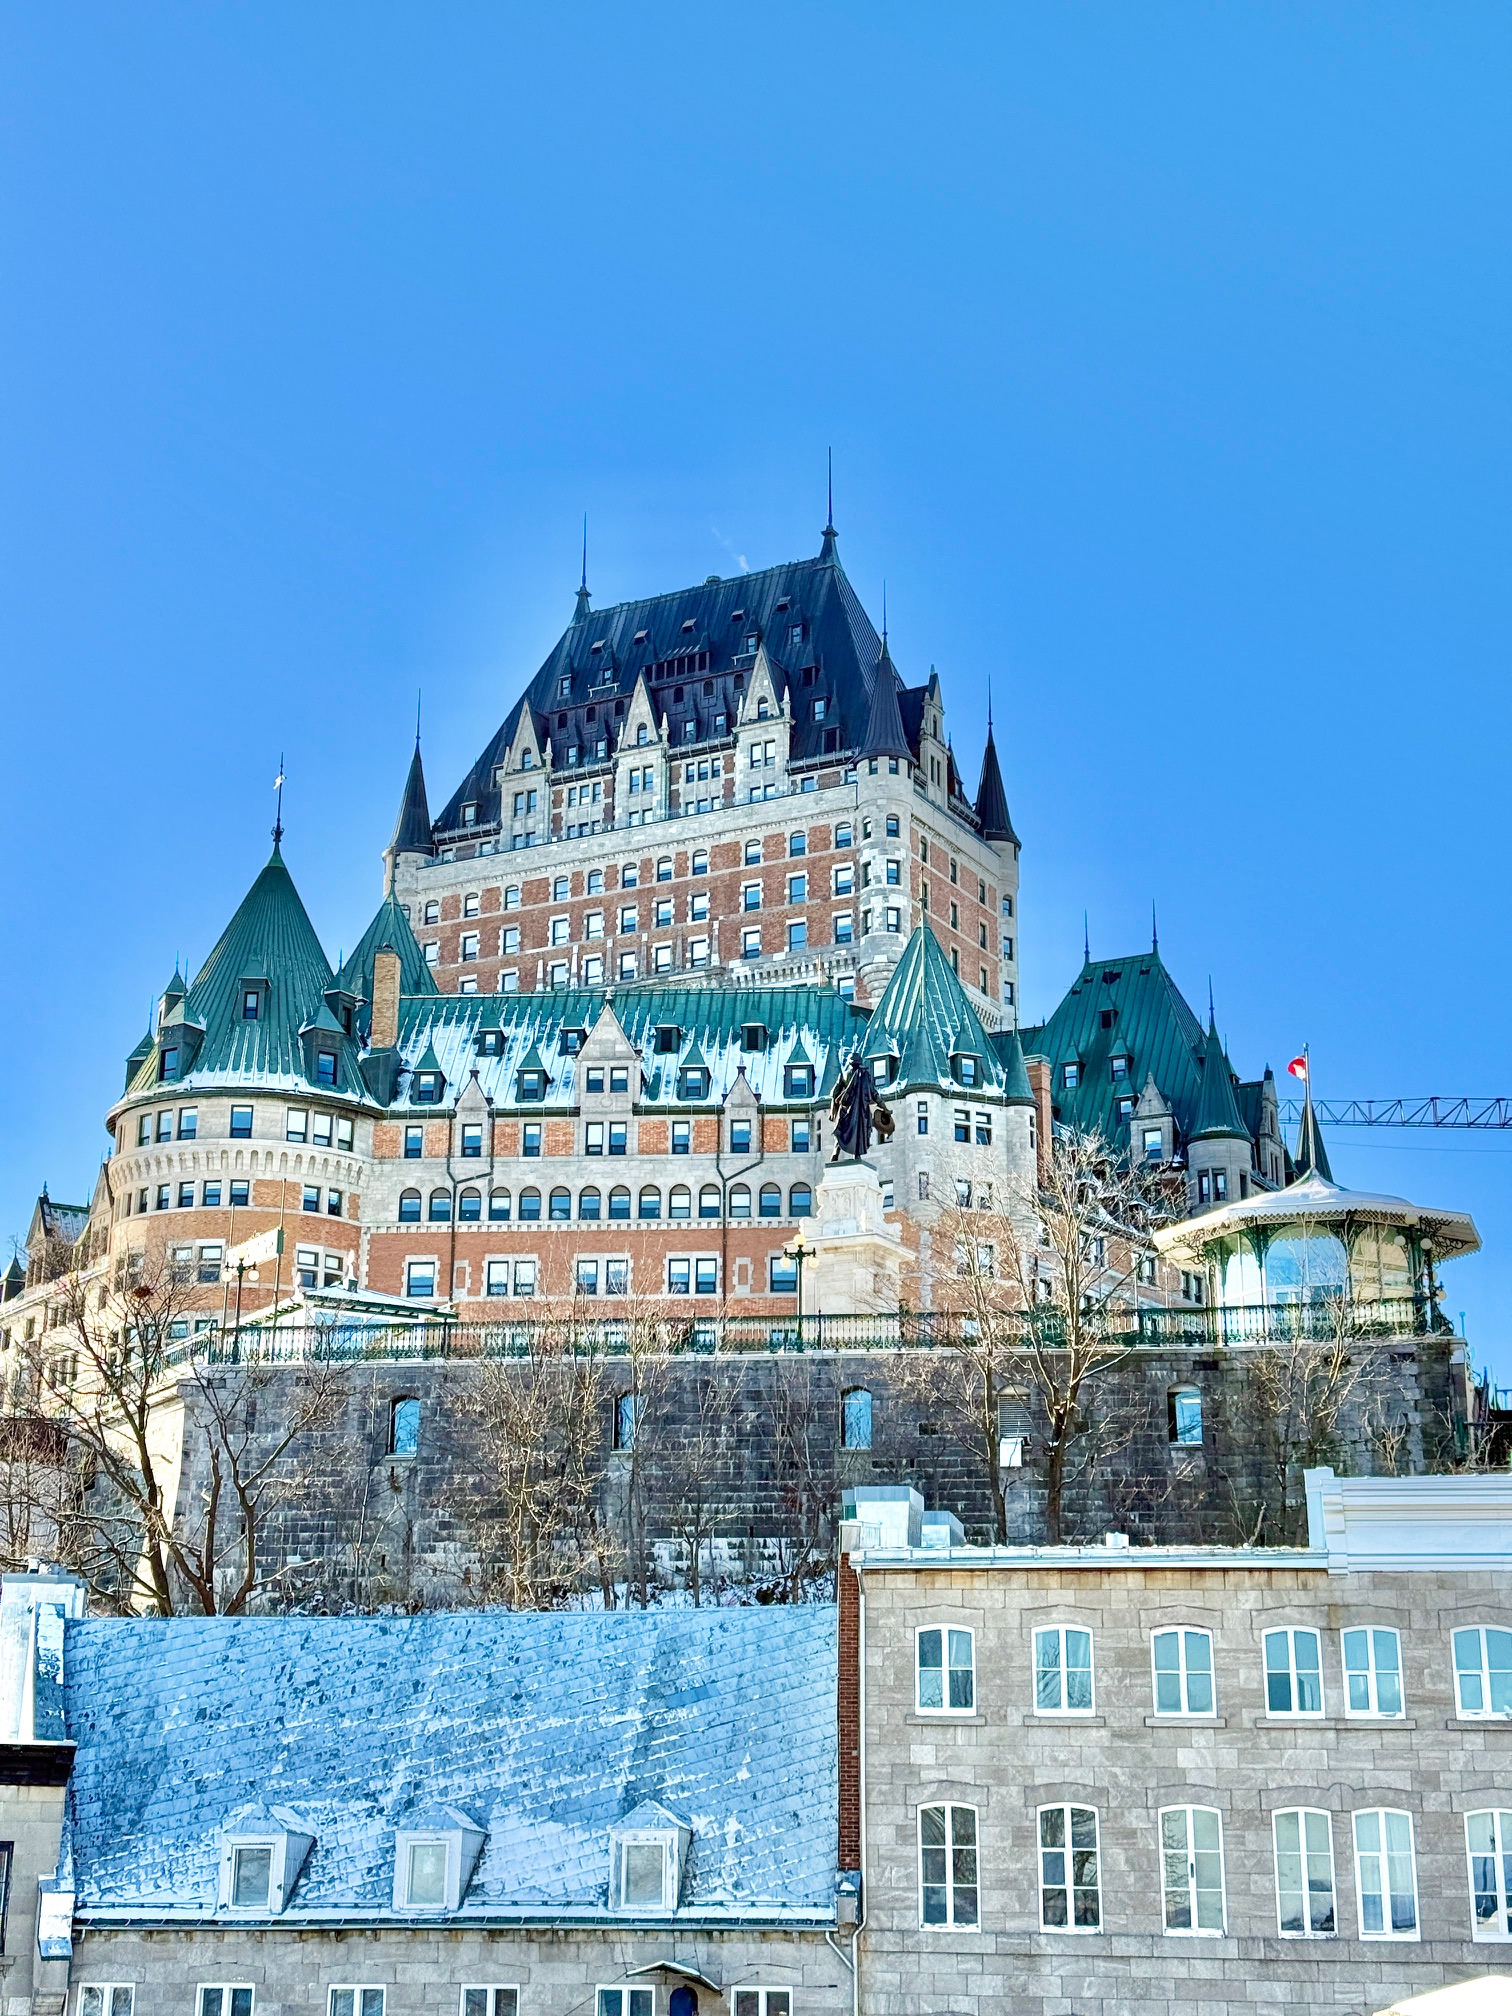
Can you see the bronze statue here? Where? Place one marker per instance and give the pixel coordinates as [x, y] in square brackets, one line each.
[856, 1113]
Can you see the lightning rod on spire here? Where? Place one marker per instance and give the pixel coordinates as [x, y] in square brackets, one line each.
[278, 784]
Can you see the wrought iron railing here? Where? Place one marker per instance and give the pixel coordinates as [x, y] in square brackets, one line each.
[909, 1330]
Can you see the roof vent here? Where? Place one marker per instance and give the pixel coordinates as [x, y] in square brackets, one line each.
[687, 626]
[1115, 1539]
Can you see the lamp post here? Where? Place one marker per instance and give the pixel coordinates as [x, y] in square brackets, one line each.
[798, 1252]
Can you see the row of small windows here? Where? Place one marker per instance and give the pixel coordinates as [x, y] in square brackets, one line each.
[502, 1205]
[694, 1274]
[1184, 1681]
[118, 1998]
[612, 1136]
[1188, 1866]
[182, 1197]
[321, 1130]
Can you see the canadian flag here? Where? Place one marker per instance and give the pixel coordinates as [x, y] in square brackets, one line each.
[1298, 1067]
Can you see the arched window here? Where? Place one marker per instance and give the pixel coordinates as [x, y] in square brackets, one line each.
[404, 1426]
[561, 1204]
[619, 1203]
[700, 860]
[433, 912]
[664, 868]
[856, 1419]
[470, 1206]
[708, 1201]
[498, 1204]
[530, 1204]
[680, 1201]
[409, 1207]
[800, 1201]
[771, 1201]
[590, 1204]
[1184, 1416]
[740, 1200]
[440, 1207]
[650, 1202]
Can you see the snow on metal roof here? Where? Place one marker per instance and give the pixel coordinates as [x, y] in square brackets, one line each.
[547, 1728]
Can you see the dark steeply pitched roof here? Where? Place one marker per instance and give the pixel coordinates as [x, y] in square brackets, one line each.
[1217, 1116]
[883, 734]
[668, 637]
[1311, 1158]
[544, 1729]
[412, 829]
[389, 929]
[924, 1020]
[1149, 1023]
[991, 799]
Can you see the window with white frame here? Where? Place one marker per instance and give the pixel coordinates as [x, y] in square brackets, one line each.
[1305, 1906]
[761, 2002]
[1488, 1842]
[1182, 1660]
[251, 1875]
[1070, 1870]
[1385, 1874]
[490, 2002]
[220, 1999]
[358, 2001]
[106, 1998]
[946, 1671]
[1062, 1671]
[1372, 1672]
[1483, 1671]
[626, 2001]
[1293, 1673]
[643, 1875]
[948, 1865]
[422, 1866]
[1191, 1867]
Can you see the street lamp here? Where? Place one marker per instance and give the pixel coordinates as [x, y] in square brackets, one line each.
[798, 1252]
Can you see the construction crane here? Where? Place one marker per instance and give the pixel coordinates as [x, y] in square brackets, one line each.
[1492, 1114]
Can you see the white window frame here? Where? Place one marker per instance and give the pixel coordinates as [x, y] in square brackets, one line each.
[618, 2000]
[1303, 1814]
[107, 1991]
[492, 1990]
[225, 1989]
[1060, 1632]
[1194, 1930]
[356, 1989]
[1485, 1713]
[1382, 1814]
[1501, 1857]
[647, 1837]
[950, 1922]
[944, 1631]
[1186, 1712]
[764, 2005]
[1374, 1712]
[1066, 1807]
[1291, 1632]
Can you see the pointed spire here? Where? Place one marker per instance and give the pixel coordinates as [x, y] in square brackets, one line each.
[412, 829]
[584, 606]
[1154, 928]
[1312, 1156]
[991, 799]
[884, 733]
[829, 551]
[1217, 1108]
[278, 784]
[1086, 940]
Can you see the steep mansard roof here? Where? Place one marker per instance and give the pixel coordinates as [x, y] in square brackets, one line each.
[544, 1730]
[1151, 1024]
[272, 942]
[924, 1020]
[807, 615]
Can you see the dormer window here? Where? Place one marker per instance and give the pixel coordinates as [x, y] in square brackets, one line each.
[490, 1042]
[426, 1873]
[470, 813]
[693, 1084]
[564, 684]
[434, 1860]
[967, 1072]
[427, 1088]
[168, 1063]
[531, 1085]
[527, 759]
[261, 1857]
[752, 640]
[646, 1855]
[1070, 1076]
[1120, 1069]
[641, 636]
[763, 710]
[688, 627]
[668, 1038]
[251, 1003]
[325, 1067]
[640, 736]
[251, 1876]
[798, 1081]
[572, 1041]
[753, 1036]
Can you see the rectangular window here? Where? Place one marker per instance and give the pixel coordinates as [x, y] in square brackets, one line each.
[311, 1197]
[844, 926]
[782, 1275]
[356, 2002]
[144, 1131]
[984, 1130]
[797, 889]
[188, 1123]
[946, 1665]
[469, 945]
[798, 1081]
[962, 1124]
[679, 1277]
[222, 2001]
[1293, 1673]
[296, 1124]
[1070, 1877]
[210, 1196]
[1483, 1671]
[618, 1136]
[797, 936]
[948, 1865]
[1372, 1673]
[801, 1137]
[320, 1130]
[626, 2002]
[186, 1196]
[1304, 1873]
[1183, 1663]
[706, 1277]
[241, 1193]
[490, 2002]
[333, 1203]
[593, 1135]
[525, 1278]
[1385, 1874]
[106, 1998]
[530, 1138]
[414, 1143]
[164, 1197]
[682, 1137]
[420, 1280]
[763, 2002]
[1191, 1859]
[1062, 1671]
[616, 1277]
[1488, 1842]
[750, 942]
[241, 1123]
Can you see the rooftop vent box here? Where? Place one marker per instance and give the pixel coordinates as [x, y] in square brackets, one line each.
[894, 1511]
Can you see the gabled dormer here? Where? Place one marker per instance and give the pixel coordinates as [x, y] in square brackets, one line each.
[435, 1854]
[763, 732]
[322, 1039]
[532, 1079]
[526, 751]
[428, 1080]
[640, 761]
[262, 1851]
[648, 1854]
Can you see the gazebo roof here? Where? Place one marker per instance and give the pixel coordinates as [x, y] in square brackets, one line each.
[1314, 1201]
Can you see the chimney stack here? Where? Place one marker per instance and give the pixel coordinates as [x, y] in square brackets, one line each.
[384, 1033]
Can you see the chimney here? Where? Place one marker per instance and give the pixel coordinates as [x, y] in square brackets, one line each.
[1039, 1084]
[384, 1032]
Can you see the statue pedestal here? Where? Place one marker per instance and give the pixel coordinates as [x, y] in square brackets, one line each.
[853, 1259]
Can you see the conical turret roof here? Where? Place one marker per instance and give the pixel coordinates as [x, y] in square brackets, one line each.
[1017, 1090]
[1312, 1155]
[884, 734]
[925, 1020]
[1217, 1109]
[390, 929]
[991, 799]
[412, 830]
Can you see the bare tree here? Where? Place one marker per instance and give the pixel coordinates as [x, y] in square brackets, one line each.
[702, 1486]
[804, 1404]
[140, 1404]
[1303, 1399]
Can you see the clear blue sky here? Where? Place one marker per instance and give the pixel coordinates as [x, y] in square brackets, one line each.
[1165, 356]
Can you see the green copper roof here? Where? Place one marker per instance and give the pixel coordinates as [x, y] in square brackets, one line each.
[389, 930]
[1017, 1091]
[925, 1020]
[1217, 1115]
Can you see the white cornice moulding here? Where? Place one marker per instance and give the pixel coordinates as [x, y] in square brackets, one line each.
[1431, 1525]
